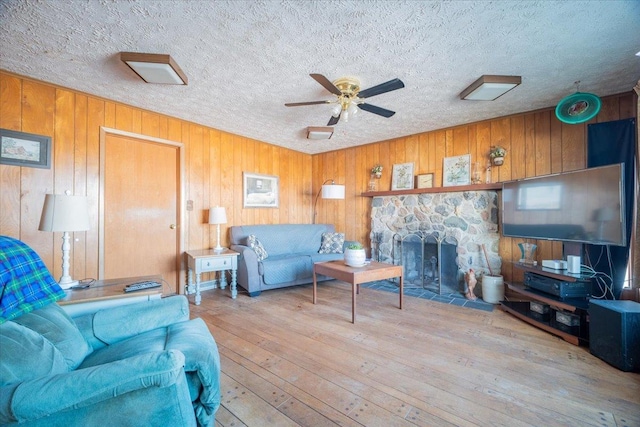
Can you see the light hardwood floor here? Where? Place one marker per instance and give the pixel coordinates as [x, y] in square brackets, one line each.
[287, 362]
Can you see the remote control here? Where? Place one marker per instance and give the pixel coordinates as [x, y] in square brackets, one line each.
[138, 286]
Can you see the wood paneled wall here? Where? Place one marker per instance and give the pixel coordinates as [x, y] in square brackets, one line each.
[537, 144]
[214, 164]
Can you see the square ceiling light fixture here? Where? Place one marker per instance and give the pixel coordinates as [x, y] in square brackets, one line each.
[489, 88]
[319, 132]
[155, 68]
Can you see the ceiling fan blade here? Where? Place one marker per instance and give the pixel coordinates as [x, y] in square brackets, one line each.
[381, 88]
[299, 104]
[334, 120]
[376, 110]
[326, 83]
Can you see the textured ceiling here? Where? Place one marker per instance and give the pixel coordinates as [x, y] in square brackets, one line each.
[245, 59]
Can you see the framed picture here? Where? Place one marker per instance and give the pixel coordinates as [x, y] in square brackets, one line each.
[260, 191]
[402, 178]
[25, 149]
[456, 171]
[424, 180]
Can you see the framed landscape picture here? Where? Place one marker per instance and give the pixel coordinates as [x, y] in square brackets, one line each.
[456, 170]
[402, 178]
[25, 149]
[260, 191]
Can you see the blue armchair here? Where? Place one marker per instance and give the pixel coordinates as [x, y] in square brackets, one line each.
[140, 364]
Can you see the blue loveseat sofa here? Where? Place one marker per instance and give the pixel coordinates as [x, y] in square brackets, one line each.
[142, 364]
[290, 249]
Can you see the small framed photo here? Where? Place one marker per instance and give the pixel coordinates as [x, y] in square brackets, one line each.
[402, 178]
[424, 180]
[25, 149]
[456, 170]
[260, 191]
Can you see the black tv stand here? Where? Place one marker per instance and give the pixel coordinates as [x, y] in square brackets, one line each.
[578, 334]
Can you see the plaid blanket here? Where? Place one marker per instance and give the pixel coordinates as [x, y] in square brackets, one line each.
[25, 282]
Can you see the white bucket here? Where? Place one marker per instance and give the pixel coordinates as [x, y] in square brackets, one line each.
[492, 289]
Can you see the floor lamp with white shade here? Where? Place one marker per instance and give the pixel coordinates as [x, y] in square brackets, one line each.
[65, 213]
[328, 191]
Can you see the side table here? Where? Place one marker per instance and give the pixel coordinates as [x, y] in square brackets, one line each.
[107, 293]
[209, 260]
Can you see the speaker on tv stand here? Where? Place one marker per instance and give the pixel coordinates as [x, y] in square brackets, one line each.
[614, 333]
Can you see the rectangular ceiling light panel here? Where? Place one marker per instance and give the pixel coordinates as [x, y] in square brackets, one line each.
[316, 132]
[155, 68]
[489, 88]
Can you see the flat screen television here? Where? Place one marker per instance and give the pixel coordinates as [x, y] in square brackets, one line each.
[584, 206]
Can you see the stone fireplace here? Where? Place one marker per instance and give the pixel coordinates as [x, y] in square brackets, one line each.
[437, 237]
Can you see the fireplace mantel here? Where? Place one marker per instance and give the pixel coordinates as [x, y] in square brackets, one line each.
[452, 189]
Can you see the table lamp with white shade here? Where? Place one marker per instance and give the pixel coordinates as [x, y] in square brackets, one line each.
[65, 213]
[217, 216]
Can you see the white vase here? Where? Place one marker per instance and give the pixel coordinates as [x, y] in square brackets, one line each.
[355, 257]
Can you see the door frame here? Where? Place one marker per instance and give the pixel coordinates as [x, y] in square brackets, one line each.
[180, 198]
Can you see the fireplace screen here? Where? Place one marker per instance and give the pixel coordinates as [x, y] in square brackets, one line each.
[429, 262]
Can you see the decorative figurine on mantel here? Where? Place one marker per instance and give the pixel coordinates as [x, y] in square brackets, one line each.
[471, 281]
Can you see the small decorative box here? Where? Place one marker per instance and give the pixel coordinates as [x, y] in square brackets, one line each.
[538, 307]
[567, 319]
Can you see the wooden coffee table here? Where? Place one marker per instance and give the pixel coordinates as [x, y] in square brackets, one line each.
[356, 275]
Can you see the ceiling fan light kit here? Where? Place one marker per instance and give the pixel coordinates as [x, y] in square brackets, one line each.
[155, 68]
[319, 132]
[350, 98]
[490, 88]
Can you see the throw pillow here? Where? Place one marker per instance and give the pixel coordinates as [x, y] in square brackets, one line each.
[256, 245]
[332, 243]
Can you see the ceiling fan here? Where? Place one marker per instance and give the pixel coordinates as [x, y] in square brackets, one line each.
[350, 98]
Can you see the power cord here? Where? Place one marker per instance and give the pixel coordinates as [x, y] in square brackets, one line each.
[603, 280]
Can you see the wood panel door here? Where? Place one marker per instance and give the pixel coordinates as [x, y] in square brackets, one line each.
[140, 207]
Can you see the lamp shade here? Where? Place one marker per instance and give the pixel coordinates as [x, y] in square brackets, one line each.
[217, 215]
[63, 212]
[333, 191]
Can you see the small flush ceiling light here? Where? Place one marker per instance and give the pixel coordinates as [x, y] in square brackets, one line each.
[319, 132]
[155, 68]
[489, 88]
